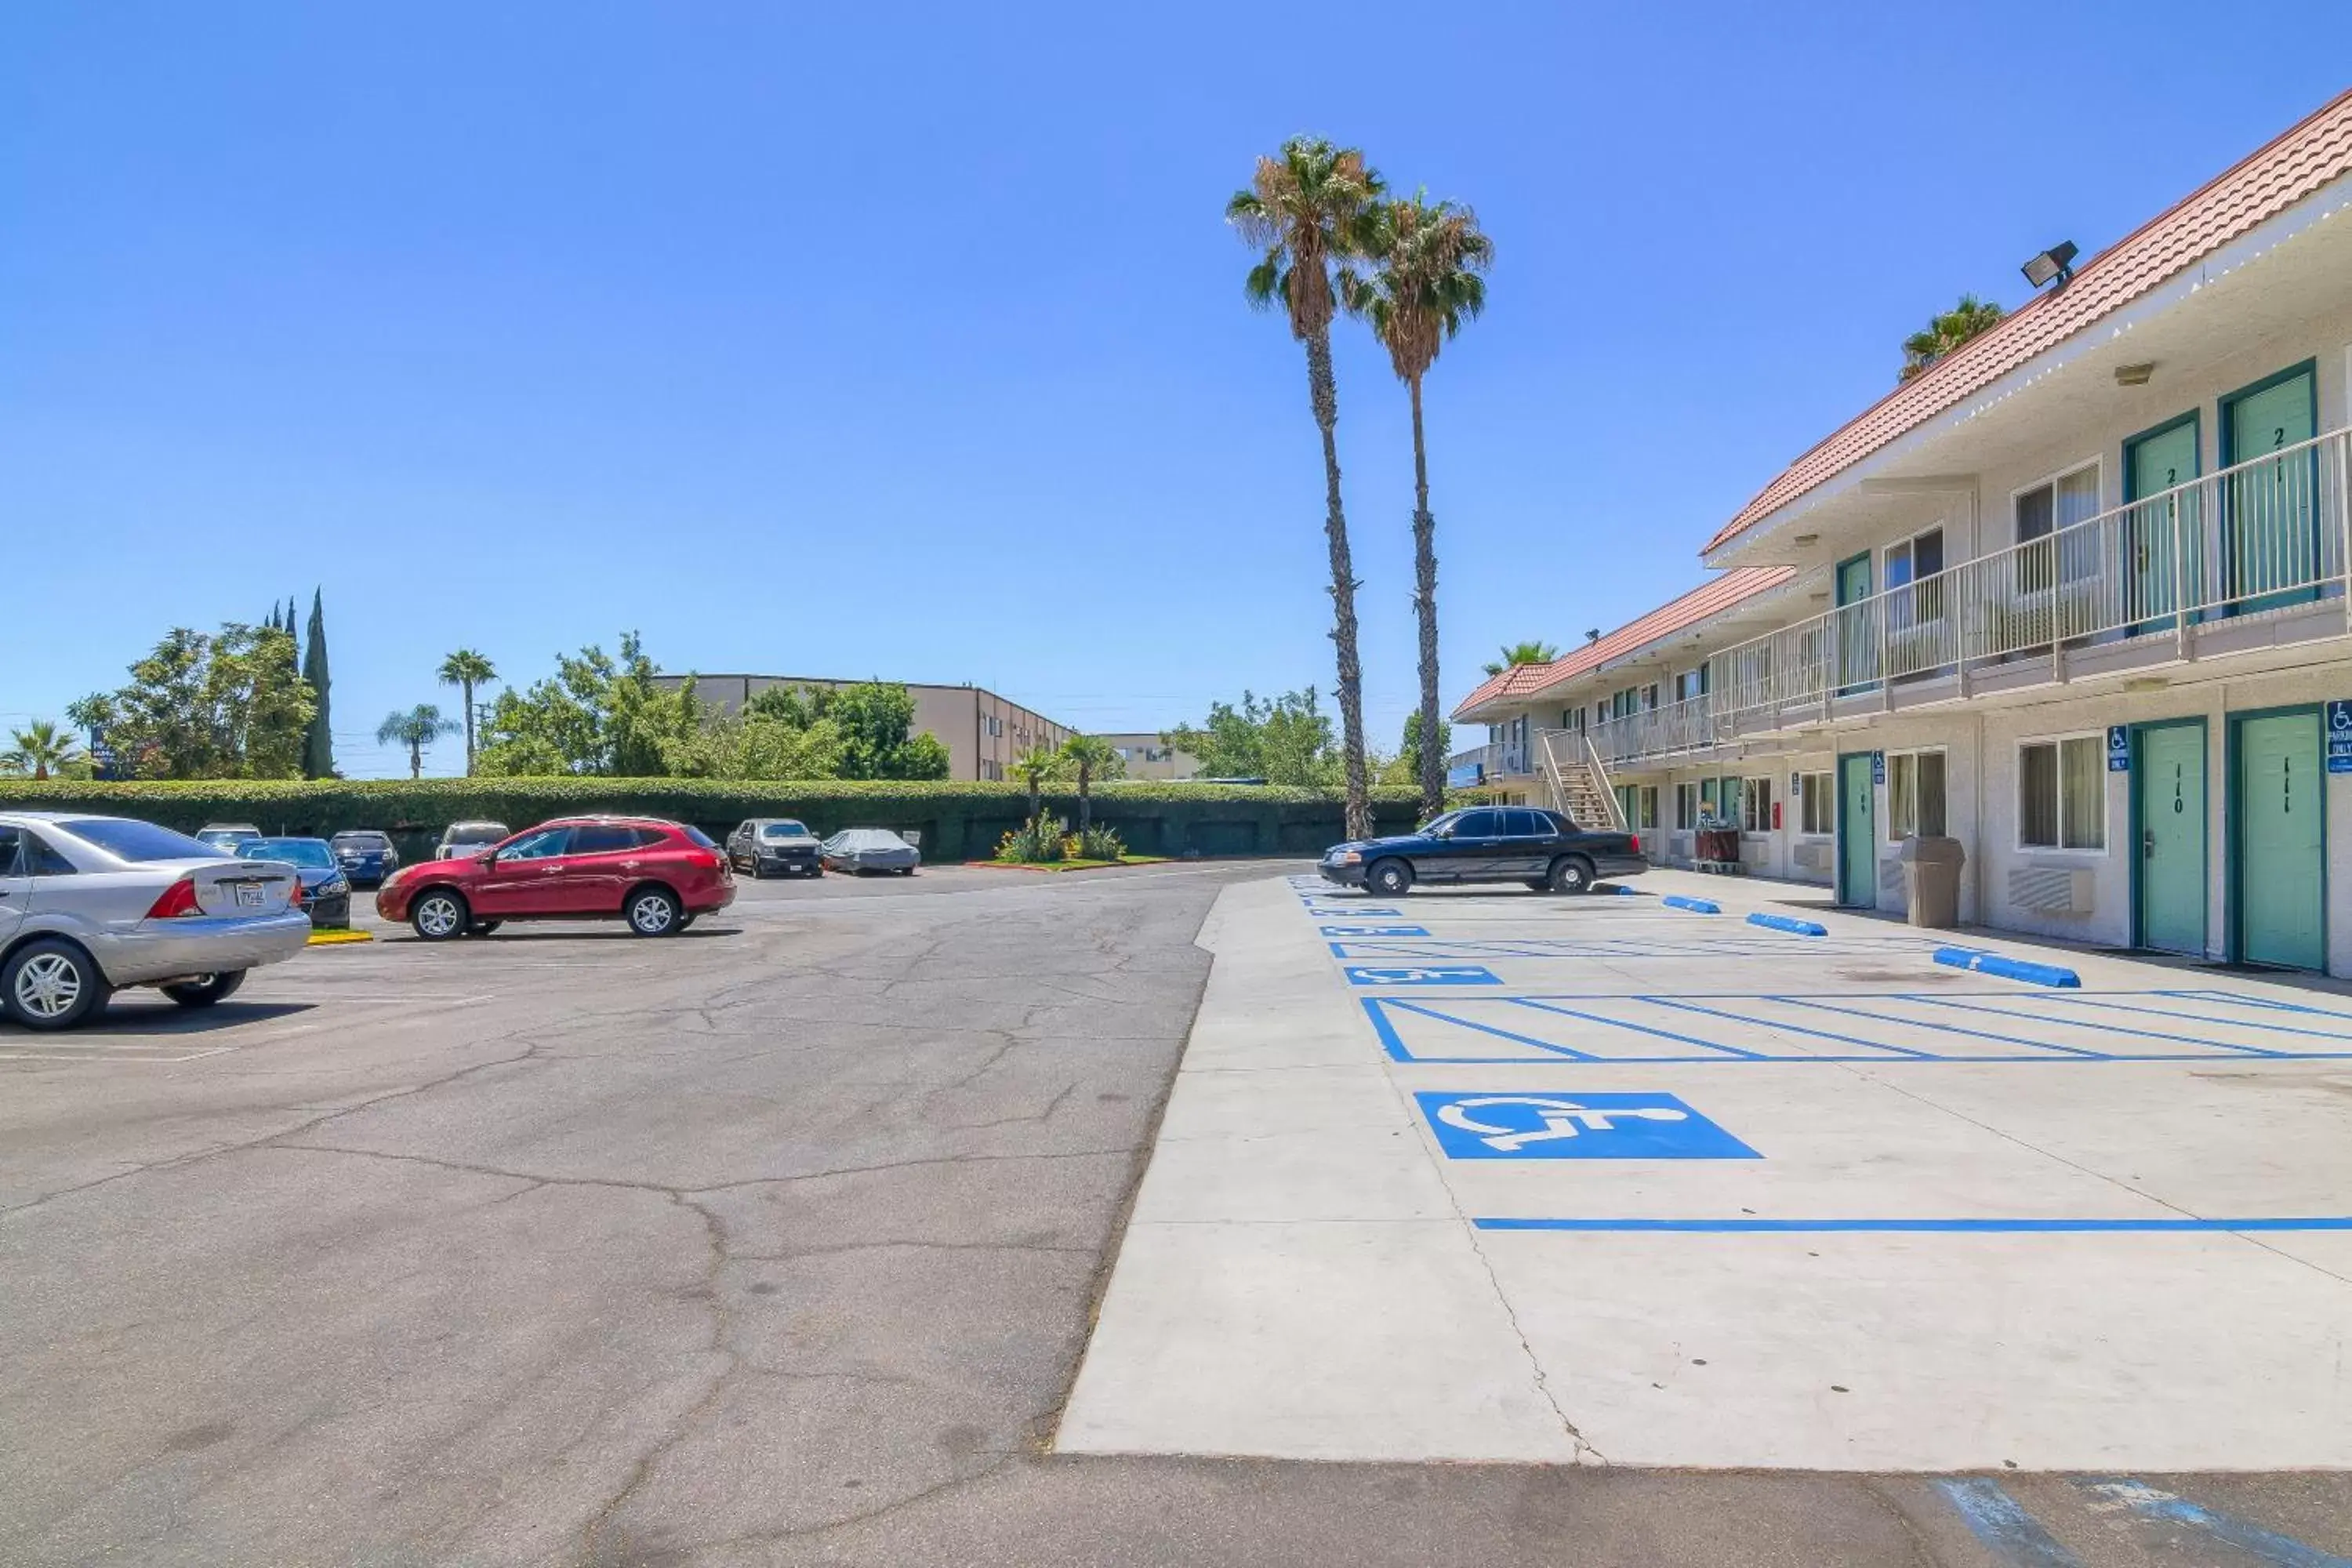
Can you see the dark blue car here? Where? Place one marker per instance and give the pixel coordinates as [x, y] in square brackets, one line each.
[366, 857]
[1541, 849]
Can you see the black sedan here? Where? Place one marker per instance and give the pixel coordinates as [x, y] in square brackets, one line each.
[1542, 849]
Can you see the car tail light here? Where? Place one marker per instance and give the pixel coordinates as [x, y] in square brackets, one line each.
[178, 902]
[1635, 847]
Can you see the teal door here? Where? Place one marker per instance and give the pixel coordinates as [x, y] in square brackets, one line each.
[2281, 841]
[2270, 545]
[2161, 533]
[1853, 633]
[2169, 805]
[1857, 833]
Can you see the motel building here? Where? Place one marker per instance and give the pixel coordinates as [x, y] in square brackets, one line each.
[2075, 596]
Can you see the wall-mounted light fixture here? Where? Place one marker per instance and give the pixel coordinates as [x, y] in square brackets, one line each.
[2134, 375]
[1804, 540]
[2057, 262]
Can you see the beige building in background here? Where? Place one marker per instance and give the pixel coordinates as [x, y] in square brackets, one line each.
[1149, 757]
[982, 731]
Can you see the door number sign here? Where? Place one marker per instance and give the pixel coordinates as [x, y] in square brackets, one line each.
[1575, 1127]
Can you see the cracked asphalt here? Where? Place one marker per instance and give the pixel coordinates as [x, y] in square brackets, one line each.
[775, 1242]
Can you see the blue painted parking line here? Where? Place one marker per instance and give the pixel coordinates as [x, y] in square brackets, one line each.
[1695, 905]
[2002, 966]
[1788, 923]
[1726, 946]
[1987, 1226]
[1371, 931]
[1345, 911]
[2172, 1510]
[1580, 1127]
[1898, 1028]
[2006, 1530]
[1421, 975]
[2265, 1026]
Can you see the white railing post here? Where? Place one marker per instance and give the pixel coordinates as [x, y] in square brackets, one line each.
[2180, 583]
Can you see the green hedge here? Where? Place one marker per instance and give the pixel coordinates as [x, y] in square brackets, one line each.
[957, 821]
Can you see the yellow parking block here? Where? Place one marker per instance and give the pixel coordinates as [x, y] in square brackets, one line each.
[331, 938]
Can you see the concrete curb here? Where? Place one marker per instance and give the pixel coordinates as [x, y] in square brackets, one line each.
[1968, 958]
[1788, 923]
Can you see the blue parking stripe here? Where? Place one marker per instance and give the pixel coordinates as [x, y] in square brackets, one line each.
[2165, 1507]
[2258, 1002]
[2012, 1535]
[2120, 1029]
[2340, 1038]
[1765, 1024]
[1744, 1226]
[1427, 1012]
[1947, 1028]
[1640, 1029]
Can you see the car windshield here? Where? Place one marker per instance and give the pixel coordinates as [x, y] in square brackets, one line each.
[1443, 820]
[310, 852]
[360, 841]
[784, 830]
[475, 832]
[128, 840]
[873, 839]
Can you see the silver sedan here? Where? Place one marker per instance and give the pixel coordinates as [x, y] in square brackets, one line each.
[91, 904]
[858, 850]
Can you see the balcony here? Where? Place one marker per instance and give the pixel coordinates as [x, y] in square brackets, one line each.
[1466, 770]
[2153, 582]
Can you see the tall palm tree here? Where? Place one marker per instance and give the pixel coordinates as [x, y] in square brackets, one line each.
[1522, 653]
[1307, 208]
[1090, 757]
[39, 749]
[1947, 331]
[467, 669]
[1034, 767]
[416, 729]
[1425, 283]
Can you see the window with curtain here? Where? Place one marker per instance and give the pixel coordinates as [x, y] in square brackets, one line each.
[1915, 794]
[1757, 806]
[1685, 805]
[2061, 793]
[1817, 796]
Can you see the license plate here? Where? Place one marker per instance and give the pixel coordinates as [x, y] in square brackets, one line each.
[248, 895]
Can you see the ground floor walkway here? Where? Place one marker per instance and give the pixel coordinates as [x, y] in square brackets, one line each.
[1641, 1180]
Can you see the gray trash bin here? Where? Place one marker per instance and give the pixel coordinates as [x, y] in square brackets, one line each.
[1931, 880]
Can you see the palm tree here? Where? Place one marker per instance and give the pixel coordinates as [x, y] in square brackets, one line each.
[1090, 757]
[1034, 767]
[416, 729]
[1945, 333]
[467, 669]
[1425, 284]
[39, 749]
[1307, 208]
[1522, 653]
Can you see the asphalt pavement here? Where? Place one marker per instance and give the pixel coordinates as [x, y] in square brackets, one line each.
[776, 1242]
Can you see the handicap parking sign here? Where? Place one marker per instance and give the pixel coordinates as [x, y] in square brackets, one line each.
[2339, 737]
[1421, 975]
[1572, 1126]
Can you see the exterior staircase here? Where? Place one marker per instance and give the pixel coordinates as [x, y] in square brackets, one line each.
[1580, 784]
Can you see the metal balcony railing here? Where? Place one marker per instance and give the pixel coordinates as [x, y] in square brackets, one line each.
[2260, 535]
[1492, 761]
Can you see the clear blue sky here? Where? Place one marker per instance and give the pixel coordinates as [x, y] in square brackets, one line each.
[805, 343]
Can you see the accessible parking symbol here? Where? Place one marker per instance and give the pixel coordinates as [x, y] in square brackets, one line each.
[1422, 974]
[1575, 1127]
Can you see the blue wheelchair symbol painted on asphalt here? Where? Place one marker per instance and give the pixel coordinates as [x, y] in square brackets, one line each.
[1347, 909]
[1571, 1126]
[1422, 974]
[1375, 930]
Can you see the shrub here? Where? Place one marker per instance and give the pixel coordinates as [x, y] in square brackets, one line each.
[1040, 841]
[1097, 843]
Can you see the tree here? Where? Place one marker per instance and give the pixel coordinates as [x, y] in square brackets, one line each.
[1523, 653]
[1287, 741]
[319, 741]
[1424, 285]
[1090, 757]
[228, 706]
[1945, 333]
[1415, 761]
[467, 669]
[595, 715]
[1036, 767]
[1307, 208]
[41, 749]
[877, 741]
[416, 729]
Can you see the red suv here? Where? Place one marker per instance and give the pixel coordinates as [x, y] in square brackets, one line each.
[658, 876]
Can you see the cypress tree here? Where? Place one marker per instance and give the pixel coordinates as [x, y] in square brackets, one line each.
[319, 744]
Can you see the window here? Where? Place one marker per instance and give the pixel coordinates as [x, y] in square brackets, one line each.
[10, 839]
[1817, 796]
[1757, 806]
[602, 838]
[541, 845]
[1915, 794]
[2061, 793]
[1921, 555]
[1690, 683]
[1650, 697]
[1685, 805]
[1476, 825]
[1644, 813]
[2053, 507]
[41, 861]
[126, 839]
[1525, 825]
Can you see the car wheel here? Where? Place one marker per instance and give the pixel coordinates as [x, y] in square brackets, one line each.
[483, 928]
[1570, 874]
[654, 911]
[757, 875]
[1388, 878]
[52, 984]
[439, 915]
[203, 992]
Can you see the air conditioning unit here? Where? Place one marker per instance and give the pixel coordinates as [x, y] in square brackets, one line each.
[1814, 856]
[2052, 889]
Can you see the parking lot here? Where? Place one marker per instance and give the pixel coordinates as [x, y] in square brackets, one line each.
[781, 1240]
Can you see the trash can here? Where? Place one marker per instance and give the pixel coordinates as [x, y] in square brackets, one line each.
[1931, 880]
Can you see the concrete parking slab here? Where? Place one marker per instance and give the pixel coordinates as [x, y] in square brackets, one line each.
[1733, 1196]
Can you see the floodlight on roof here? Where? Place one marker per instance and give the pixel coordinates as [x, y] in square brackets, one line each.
[2055, 262]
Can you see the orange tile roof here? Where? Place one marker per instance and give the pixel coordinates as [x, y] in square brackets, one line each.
[2265, 184]
[1675, 614]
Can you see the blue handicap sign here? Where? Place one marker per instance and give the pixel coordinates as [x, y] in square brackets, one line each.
[1878, 767]
[2339, 736]
[1573, 1126]
[1355, 909]
[2119, 749]
[1375, 930]
[1421, 975]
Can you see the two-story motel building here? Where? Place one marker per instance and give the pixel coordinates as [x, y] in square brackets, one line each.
[2075, 595]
